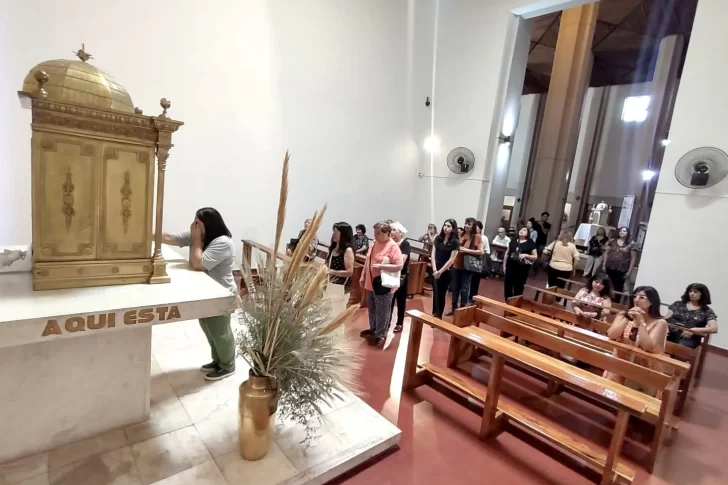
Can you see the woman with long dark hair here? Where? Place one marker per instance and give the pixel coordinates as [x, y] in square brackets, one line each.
[595, 252]
[693, 313]
[620, 258]
[595, 296]
[641, 326]
[518, 261]
[444, 251]
[212, 251]
[341, 256]
[470, 244]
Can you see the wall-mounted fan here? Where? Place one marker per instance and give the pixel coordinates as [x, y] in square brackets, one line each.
[702, 167]
[460, 160]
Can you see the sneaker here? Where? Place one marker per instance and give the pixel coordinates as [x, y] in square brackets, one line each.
[397, 328]
[209, 367]
[218, 374]
[365, 333]
[450, 313]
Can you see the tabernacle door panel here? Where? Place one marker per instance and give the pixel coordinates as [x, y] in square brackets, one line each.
[64, 197]
[126, 201]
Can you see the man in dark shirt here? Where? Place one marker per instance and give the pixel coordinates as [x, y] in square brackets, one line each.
[542, 231]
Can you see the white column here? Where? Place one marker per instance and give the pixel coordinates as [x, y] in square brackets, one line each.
[491, 202]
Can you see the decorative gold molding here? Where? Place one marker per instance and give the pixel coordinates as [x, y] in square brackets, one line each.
[120, 130]
[68, 188]
[48, 145]
[126, 201]
[88, 150]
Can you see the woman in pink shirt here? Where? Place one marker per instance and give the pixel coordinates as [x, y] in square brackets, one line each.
[384, 255]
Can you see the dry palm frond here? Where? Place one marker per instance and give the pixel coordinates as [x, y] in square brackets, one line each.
[288, 331]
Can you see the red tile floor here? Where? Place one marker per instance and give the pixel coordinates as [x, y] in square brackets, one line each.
[439, 442]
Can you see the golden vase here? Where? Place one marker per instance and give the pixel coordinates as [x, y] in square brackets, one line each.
[257, 405]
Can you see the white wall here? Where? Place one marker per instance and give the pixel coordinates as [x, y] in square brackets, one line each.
[327, 79]
[671, 258]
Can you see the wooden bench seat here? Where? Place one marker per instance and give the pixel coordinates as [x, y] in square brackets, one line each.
[658, 411]
[496, 411]
[689, 356]
[532, 423]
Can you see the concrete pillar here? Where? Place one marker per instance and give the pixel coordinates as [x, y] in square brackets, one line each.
[560, 127]
[490, 206]
[664, 90]
[583, 168]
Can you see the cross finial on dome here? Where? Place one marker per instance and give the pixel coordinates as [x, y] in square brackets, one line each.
[82, 54]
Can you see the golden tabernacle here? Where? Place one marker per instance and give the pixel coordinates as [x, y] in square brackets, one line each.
[93, 178]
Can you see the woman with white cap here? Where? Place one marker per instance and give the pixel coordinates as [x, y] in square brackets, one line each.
[400, 296]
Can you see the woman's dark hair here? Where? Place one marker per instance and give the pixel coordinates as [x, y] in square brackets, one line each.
[652, 295]
[606, 282]
[472, 221]
[479, 225]
[704, 294]
[453, 233]
[346, 238]
[600, 229]
[629, 234]
[362, 228]
[214, 225]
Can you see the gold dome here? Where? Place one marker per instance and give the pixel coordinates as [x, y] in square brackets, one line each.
[78, 82]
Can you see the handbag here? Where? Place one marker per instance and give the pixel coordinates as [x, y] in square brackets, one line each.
[473, 263]
[377, 286]
[390, 279]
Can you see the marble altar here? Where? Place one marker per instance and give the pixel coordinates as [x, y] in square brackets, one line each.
[76, 362]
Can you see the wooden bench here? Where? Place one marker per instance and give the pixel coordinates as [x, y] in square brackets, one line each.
[676, 351]
[659, 411]
[499, 412]
[623, 298]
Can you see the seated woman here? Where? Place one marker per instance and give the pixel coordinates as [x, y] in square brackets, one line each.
[693, 313]
[641, 326]
[596, 295]
[313, 247]
[428, 238]
[361, 241]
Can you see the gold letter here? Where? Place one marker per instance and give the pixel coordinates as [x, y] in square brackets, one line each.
[130, 317]
[112, 319]
[146, 315]
[75, 324]
[92, 325]
[173, 313]
[51, 328]
[161, 311]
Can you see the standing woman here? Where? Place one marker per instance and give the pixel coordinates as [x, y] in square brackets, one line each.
[475, 280]
[341, 256]
[400, 296]
[641, 326]
[384, 255]
[213, 252]
[517, 263]
[532, 233]
[444, 251]
[620, 258]
[564, 257]
[594, 254]
[470, 244]
[693, 313]
[361, 241]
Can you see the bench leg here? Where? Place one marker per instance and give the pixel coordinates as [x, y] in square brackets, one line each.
[489, 426]
[615, 447]
[458, 352]
[410, 378]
